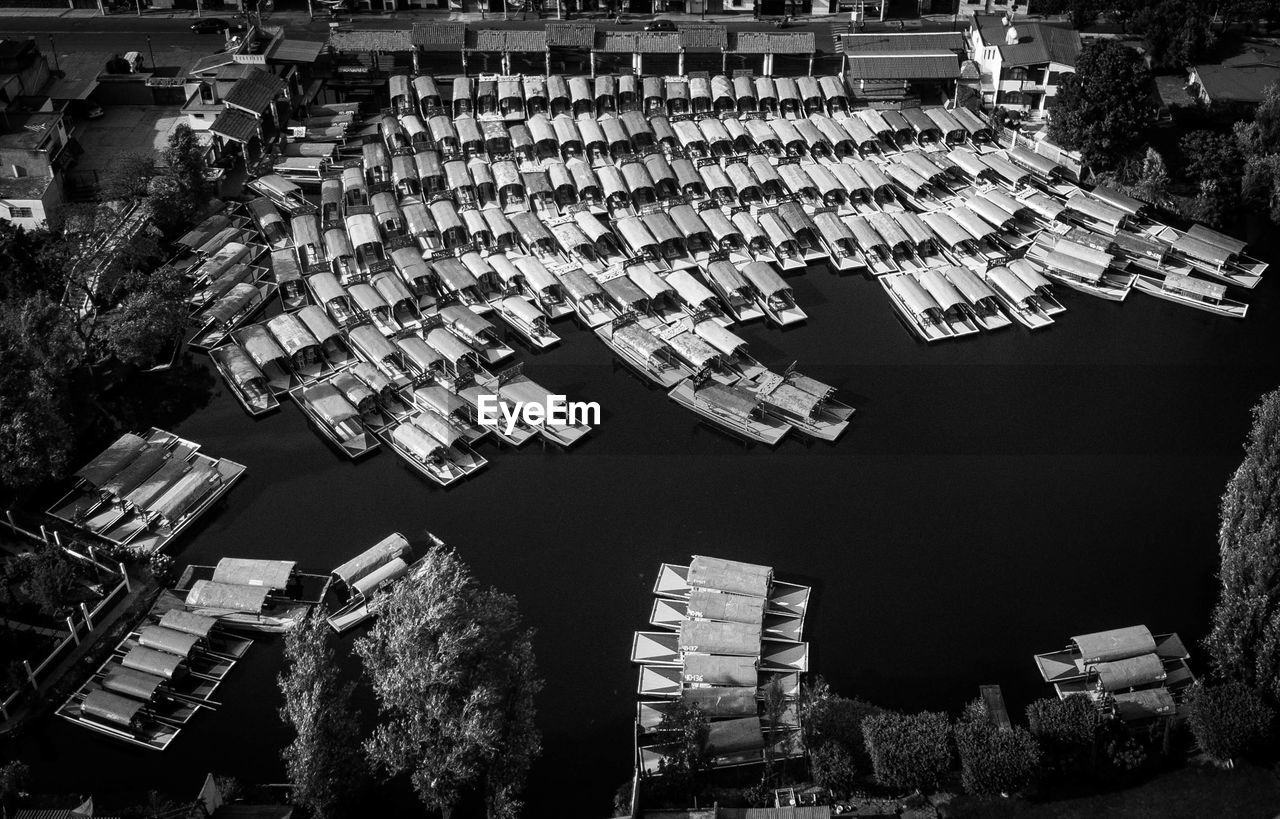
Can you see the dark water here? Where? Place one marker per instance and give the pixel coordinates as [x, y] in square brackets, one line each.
[992, 498]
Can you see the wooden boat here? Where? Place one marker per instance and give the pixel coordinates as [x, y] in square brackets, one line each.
[515, 388]
[644, 351]
[256, 595]
[805, 403]
[438, 399]
[589, 301]
[271, 359]
[470, 392]
[118, 717]
[735, 292]
[1041, 286]
[246, 381]
[476, 333]
[212, 638]
[983, 303]
[1078, 267]
[733, 350]
[370, 574]
[734, 577]
[529, 322]
[170, 654]
[1214, 254]
[917, 308]
[735, 409]
[1019, 299]
[954, 311]
[335, 417]
[333, 346]
[773, 295]
[1192, 292]
[433, 446]
[229, 312]
[175, 701]
[694, 351]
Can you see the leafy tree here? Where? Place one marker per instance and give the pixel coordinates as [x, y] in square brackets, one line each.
[1266, 118]
[1245, 638]
[1066, 729]
[1101, 107]
[1211, 155]
[147, 321]
[13, 776]
[1153, 185]
[35, 438]
[127, 177]
[828, 717]
[775, 708]
[54, 581]
[1175, 32]
[910, 752]
[994, 760]
[833, 768]
[26, 264]
[1229, 720]
[1211, 204]
[323, 760]
[687, 755]
[180, 193]
[452, 667]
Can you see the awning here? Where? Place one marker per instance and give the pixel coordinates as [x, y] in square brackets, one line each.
[115, 458]
[718, 670]
[110, 707]
[763, 277]
[206, 594]
[708, 637]
[1116, 644]
[1130, 672]
[292, 334]
[639, 340]
[167, 640]
[150, 661]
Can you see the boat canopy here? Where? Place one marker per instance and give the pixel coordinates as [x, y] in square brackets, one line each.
[157, 483]
[1004, 201]
[1131, 672]
[356, 391]
[832, 228]
[317, 322]
[651, 283]
[570, 236]
[991, 213]
[691, 291]
[688, 221]
[718, 670]
[1074, 266]
[659, 169]
[790, 398]
[940, 289]
[749, 228]
[634, 232]
[945, 123]
[167, 640]
[237, 300]
[153, 457]
[1030, 159]
[366, 298]
[107, 706]
[729, 576]
[373, 377]
[967, 282]
[639, 340]
[1098, 211]
[259, 344]
[1044, 205]
[1144, 704]
[721, 227]
[786, 133]
[208, 594]
[693, 349]
[723, 701]
[557, 88]
[710, 637]
[292, 334]
[417, 442]
[536, 274]
[1208, 291]
[423, 355]
[714, 177]
[715, 335]
[969, 162]
[186, 492]
[892, 234]
[947, 229]
[565, 132]
[1011, 284]
[978, 130]
[580, 286]
[132, 683]
[915, 298]
[1000, 165]
[626, 292]
[450, 346]
[270, 574]
[391, 570]
[1115, 644]
[149, 661]
[331, 405]
[116, 457]
[1133, 207]
[188, 623]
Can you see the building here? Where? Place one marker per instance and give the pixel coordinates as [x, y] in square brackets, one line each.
[897, 67]
[1021, 65]
[34, 152]
[772, 53]
[1237, 82]
[240, 105]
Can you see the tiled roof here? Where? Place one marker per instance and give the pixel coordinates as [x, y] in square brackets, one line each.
[1037, 42]
[254, 93]
[24, 188]
[916, 67]
[638, 42]
[443, 35]
[771, 42]
[703, 37]
[571, 35]
[395, 39]
[507, 40]
[1223, 83]
[235, 125]
[889, 43]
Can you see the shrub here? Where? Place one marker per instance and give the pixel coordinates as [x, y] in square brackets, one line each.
[908, 751]
[1066, 729]
[833, 768]
[1229, 720]
[992, 760]
[829, 717]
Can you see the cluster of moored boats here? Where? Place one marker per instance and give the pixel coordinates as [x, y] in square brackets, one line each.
[158, 678]
[730, 637]
[1127, 672]
[143, 490]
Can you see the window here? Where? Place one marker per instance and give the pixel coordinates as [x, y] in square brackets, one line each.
[1012, 98]
[1019, 73]
[20, 213]
[1053, 78]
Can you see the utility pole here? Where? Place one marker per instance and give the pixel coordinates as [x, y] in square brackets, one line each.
[139, 2]
[152, 52]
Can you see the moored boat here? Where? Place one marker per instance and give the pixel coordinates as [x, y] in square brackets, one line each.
[735, 409]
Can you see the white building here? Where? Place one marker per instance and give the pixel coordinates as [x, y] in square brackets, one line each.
[1022, 64]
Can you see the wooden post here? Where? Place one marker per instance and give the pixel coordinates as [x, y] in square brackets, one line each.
[57, 538]
[75, 633]
[87, 619]
[44, 535]
[810, 65]
[724, 62]
[8, 513]
[31, 676]
[128, 587]
[4, 709]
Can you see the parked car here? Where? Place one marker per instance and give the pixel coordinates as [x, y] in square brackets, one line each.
[660, 25]
[213, 25]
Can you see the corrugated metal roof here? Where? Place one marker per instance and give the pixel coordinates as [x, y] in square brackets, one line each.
[297, 51]
[916, 43]
[771, 42]
[917, 67]
[442, 35]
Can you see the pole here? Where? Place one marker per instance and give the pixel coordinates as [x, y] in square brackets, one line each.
[71, 626]
[53, 48]
[198, 7]
[152, 52]
[124, 575]
[88, 621]
[139, 2]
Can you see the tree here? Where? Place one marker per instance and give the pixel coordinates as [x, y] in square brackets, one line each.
[323, 760]
[1211, 155]
[825, 716]
[775, 708]
[54, 581]
[452, 667]
[1175, 32]
[147, 322]
[1067, 729]
[1245, 637]
[1211, 204]
[910, 752]
[833, 768]
[686, 754]
[13, 776]
[127, 177]
[35, 369]
[1153, 186]
[1101, 109]
[181, 191]
[1229, 720]
[994, 760]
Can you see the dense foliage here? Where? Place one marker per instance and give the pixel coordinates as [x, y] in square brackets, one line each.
[323, 761]
[67, 309]
[909, 752]
[1245, 637]
[827, 717]
[686, 757]
[833, 768]
[1101, 108]
[1229, 720]
[993, 760]
[452, 667]
[1067, 729]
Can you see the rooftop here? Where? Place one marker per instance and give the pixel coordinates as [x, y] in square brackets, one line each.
[393, 39]
[898, 44]
[255, 92]
[914, 67]
[507, 40]
[703, 37]
[27, 129]
[235, 125]
[571, 35]
[771, 42]
[24, 188]
[1037, 42]
[1245, 83]
[638, 42]
[439, 35]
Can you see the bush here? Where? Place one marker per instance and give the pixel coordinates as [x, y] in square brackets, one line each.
[833, 768]
[829, 717]
[909, 752]
[1229, 720]
[1065, 729]
[53, 583]
[994, 761]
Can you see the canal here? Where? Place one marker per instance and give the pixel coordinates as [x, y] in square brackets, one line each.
[992, 498]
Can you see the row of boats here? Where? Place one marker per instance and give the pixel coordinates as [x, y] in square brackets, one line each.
[729, 632]
[144, 489]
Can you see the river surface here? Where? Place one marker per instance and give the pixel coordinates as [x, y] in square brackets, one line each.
[992, 497]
